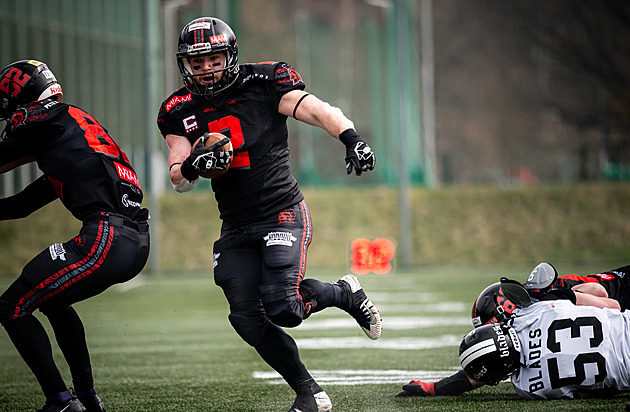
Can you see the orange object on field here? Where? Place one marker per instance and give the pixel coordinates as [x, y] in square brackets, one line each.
[372, 256]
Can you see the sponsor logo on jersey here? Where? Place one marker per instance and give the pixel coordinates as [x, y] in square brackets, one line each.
[286, 216]
[127, 174]
[128, 202]
[280, 238]
[190, 123]
[215, 260]
[57, 251]
[52, 102]
[177, 100]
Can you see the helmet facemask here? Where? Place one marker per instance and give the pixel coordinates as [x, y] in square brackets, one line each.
[203, 37]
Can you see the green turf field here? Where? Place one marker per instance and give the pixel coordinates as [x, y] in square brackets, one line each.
[163, 343]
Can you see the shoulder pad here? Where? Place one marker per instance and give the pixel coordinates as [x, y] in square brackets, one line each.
[34, 112]
[258, 71]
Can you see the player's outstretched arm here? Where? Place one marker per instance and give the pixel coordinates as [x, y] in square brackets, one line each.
[34, 196]
[586, 299]
[450, 386]
[315, 112]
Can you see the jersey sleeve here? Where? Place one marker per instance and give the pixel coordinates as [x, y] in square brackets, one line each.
[34, 196]
[167, 122]
[29, 129]
[286, 79]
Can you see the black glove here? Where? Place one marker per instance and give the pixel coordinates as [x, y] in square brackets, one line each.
[358, 154]
[203, 159]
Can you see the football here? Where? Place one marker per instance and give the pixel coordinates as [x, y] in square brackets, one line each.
[213, 138]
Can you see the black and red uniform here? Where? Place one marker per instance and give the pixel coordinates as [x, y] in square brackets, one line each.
[616, 282]
[260, 257]
[84, 168]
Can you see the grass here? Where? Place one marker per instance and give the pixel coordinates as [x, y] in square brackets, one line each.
[163, 343]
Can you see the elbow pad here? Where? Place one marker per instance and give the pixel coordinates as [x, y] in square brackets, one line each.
[185, 185]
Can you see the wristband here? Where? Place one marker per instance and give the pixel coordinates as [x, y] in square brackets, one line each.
[188, 171]
[349, 136]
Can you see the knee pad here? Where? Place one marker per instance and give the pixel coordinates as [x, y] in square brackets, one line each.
[287, 318]
[250, 327]
[283, 306]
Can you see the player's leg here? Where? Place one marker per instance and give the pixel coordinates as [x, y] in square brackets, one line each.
[124, 254]
[237, 272]
[56, 278]
[287, 297]
[28, 335]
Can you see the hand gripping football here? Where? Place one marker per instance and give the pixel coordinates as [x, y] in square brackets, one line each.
[212, 139]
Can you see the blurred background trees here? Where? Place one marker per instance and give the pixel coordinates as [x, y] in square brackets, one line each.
[523, 92]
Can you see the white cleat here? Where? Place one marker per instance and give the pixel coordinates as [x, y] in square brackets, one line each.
[361, 308]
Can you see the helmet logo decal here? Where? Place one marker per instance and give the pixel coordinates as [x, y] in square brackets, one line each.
[219, 38]
[201, 25]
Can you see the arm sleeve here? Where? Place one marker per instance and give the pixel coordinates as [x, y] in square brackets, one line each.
[453, 385]
[33, 197]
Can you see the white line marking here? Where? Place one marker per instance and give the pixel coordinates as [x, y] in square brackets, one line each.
[383, 343]
[361, 376]
[392, 323]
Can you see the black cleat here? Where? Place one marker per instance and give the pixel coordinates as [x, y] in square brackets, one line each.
[318, 402]
[92, 402]
[73, 405]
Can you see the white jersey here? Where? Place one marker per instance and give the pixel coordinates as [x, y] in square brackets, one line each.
[566, 349]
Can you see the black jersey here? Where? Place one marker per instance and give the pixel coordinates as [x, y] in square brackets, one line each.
[87, 169]
[259, 181]
[616, 282]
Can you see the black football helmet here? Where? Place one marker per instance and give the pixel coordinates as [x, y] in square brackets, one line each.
[490, 353]
[205, 36]
[491, 306]
[26, 81]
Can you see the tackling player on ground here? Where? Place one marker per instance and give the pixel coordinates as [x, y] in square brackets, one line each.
[610, 289]
[260, 257]
[84, 168]
[551, 349]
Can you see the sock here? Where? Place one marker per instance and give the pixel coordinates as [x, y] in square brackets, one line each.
[70, 336]
[322, 295]
[86, 395]
[58, 398]
[280, 352]
[31, 341]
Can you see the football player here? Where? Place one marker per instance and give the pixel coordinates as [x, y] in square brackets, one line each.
[552, 350]
[83, 167]
[609, 289]
[260, 257]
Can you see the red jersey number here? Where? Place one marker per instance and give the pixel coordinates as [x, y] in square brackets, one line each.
[230, 126]
[97, 137]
